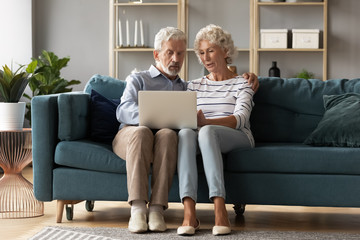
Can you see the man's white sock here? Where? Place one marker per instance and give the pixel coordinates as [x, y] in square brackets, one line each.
[138, 206]
[156, 208]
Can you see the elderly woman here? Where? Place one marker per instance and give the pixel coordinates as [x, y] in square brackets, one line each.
[224, 102]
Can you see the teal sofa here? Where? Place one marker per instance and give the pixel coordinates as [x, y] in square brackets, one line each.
[70, 166]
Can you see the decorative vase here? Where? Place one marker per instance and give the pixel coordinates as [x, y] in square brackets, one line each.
[274, 71]
[12, 116]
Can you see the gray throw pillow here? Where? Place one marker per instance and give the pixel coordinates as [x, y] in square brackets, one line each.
[340, 125]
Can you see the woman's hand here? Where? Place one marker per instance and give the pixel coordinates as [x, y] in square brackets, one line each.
[229, 121]
[252, 79]
[201, 120]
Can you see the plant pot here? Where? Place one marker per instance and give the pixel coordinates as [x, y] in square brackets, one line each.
[12, 116]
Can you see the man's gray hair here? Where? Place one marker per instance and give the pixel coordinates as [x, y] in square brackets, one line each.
[167, 33]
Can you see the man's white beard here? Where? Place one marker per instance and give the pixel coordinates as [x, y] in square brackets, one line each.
[169, 72]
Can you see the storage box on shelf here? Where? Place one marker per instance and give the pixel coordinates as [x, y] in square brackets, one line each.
[305, 38]
[274, 38]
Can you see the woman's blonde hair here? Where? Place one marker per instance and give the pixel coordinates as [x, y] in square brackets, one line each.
[216, 35]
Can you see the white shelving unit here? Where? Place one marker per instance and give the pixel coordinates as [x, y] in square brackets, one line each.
[183, 8]
[190, 16]
[231, 15]
[256, 18]
[116, 8]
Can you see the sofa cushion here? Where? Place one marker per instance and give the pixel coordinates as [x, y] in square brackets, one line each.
[73, 116]
[294, 158]
[340, 125]
[79, 184]
[288, 110]
[109, 87]
[89, 155]
[103, 123]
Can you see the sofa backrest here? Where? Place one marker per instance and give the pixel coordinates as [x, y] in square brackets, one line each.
[109, 87]
[75, 109]
[288, 110]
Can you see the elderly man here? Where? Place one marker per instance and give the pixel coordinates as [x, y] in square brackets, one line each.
[141, 146]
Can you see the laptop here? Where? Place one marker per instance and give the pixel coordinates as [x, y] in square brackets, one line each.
[167, 109]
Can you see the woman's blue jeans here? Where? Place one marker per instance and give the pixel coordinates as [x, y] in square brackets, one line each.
[212, 141]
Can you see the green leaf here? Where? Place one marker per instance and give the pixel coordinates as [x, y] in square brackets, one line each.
[32, 66]
[3, 94]
[63, 62]
[60, 86]
[19, 70]
[8, 75]
[74, 82]
[18, 87]
[4, 87]
[27, 96]
[46, 78]
[33, 83]
[47, 57]
[12, 84]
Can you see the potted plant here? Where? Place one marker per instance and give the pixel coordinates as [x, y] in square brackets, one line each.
[305, 74]
[46, 77]
[12, 87]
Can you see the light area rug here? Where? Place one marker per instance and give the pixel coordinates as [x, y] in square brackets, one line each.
[98, 233]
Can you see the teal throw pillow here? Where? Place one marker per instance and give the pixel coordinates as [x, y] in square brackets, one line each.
[340, 125]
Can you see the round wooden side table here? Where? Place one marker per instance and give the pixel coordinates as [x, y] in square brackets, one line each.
[17, 198]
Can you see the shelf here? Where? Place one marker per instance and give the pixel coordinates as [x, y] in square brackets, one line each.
[290, 50]
[143, 4]
[237, 49]
[145, 49]
[256, 27]
[134, 49]
[291, 4]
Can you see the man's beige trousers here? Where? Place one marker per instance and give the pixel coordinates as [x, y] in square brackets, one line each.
[140, 147]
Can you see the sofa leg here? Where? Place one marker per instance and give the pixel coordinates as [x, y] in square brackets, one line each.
[239, 208]
[60, 210]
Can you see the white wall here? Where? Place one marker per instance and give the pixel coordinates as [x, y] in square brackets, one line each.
[344, 39]
[15, 33]
[78, 29]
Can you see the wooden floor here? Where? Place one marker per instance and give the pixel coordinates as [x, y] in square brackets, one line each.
[256, 217]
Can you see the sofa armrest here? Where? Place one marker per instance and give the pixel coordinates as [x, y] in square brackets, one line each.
[57, 117]
[44, 119]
